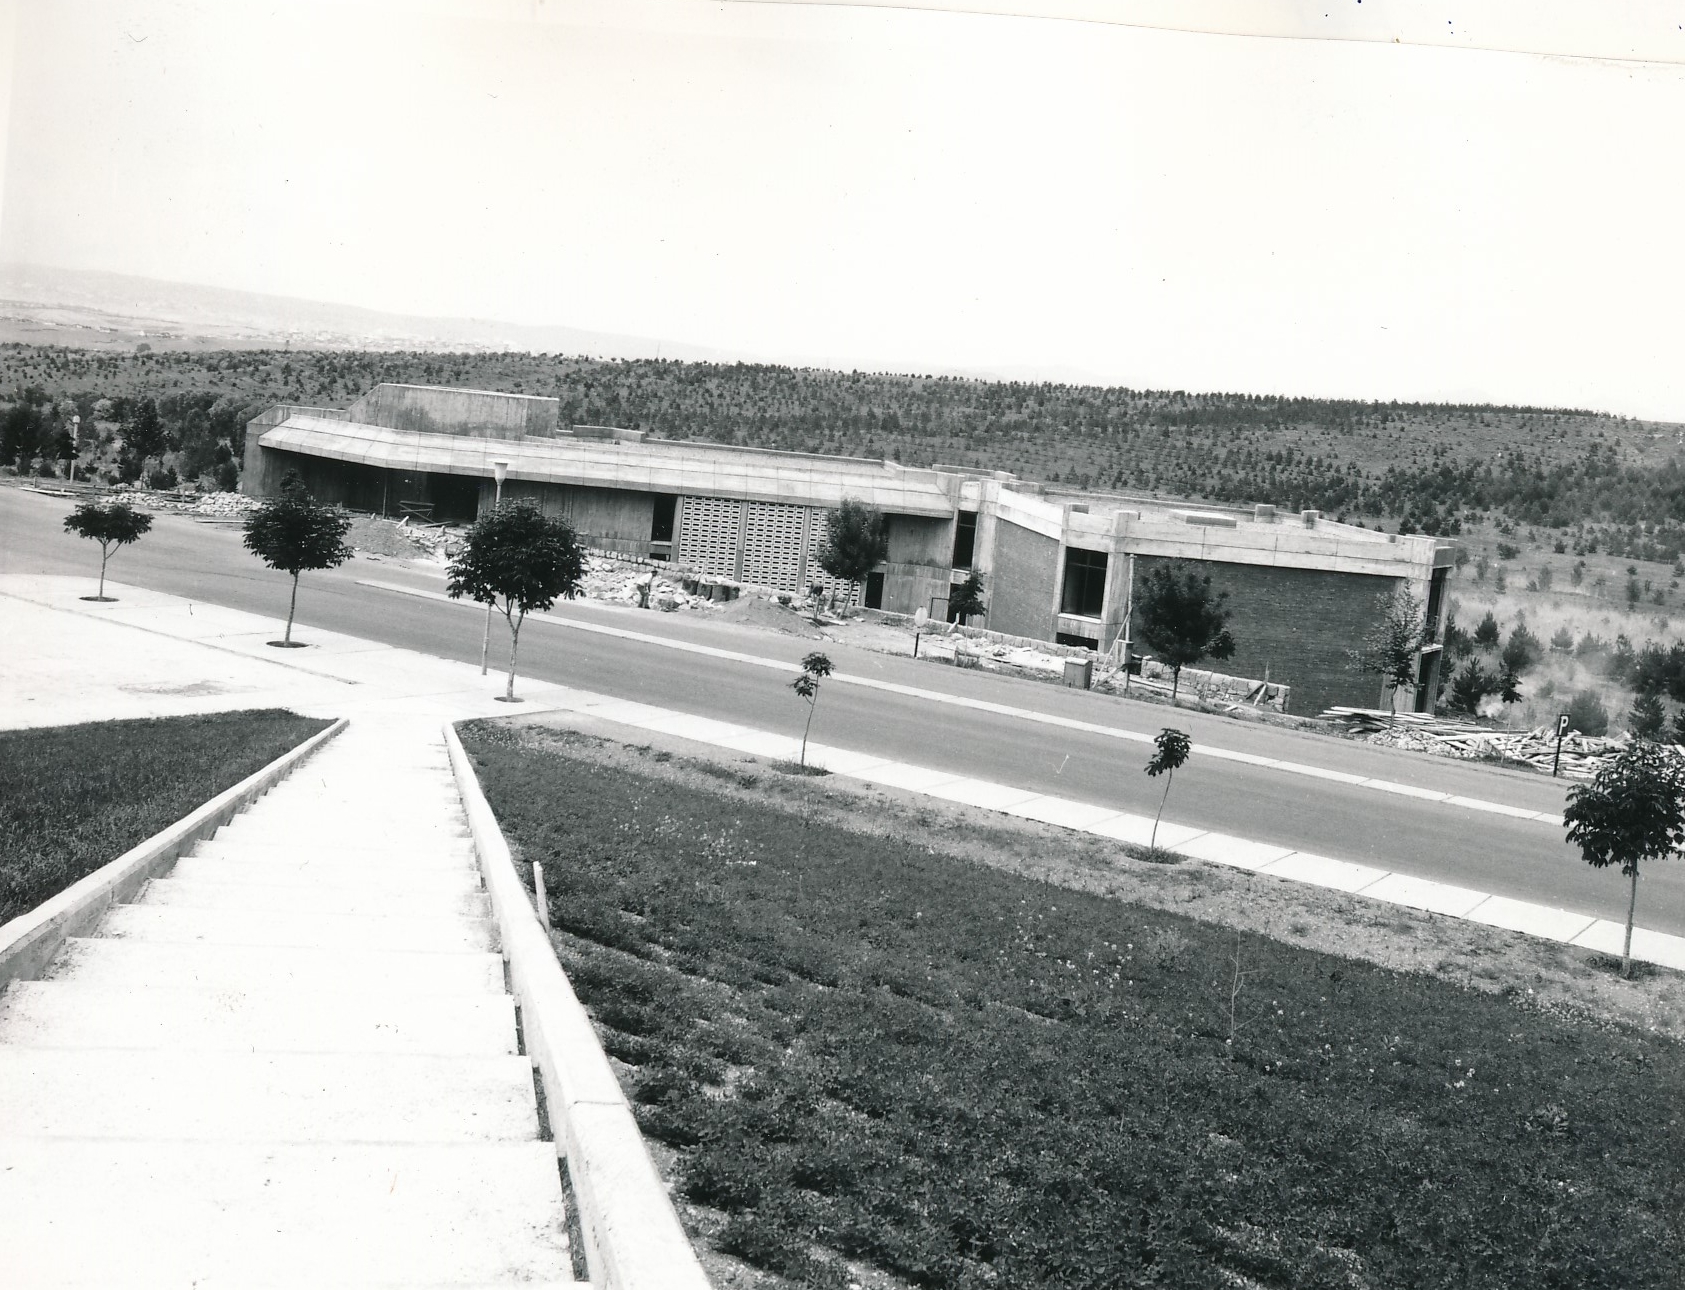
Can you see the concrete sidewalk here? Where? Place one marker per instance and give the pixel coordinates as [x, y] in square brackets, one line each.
[156, 655]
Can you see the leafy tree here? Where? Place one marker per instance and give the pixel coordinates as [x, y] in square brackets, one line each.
[815, 668]
[1563, 641]
[856, 541]
[1632, 811]
[1587, 714]
[1171, 753]
[1648, 716]
[1181, 619]
[1487, 632]
[112, 525]
[1393, 646]
[521, 560]
[966, 599]
[294, 532]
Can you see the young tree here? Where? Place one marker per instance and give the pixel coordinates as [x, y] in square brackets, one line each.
[1181, 619]
[1470, 686]
[294, 532]
[112, 525]
[815, 668]
[1647, 717]
[1632, 811]
[1394, 643]
[855, 542]
[966, 599]
[1172, 749]
[520, 560]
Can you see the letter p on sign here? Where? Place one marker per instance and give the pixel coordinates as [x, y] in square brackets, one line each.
[1562, 725]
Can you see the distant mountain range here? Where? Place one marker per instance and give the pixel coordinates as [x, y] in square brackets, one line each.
[40, 305]
[83, 309]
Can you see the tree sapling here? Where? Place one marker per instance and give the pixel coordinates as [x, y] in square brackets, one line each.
[112, 525]
[520, 560]
[1172, 749]
[294, 532]
[1633, 810]
[815, 668]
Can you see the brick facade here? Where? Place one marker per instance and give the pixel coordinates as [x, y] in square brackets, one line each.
[1297, 624]
[1020, 588]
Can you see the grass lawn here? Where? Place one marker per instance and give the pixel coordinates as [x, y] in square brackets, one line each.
[73, 798]
[876, 1062]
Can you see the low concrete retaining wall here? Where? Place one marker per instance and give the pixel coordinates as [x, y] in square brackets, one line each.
[29, 942]
[633, 1240]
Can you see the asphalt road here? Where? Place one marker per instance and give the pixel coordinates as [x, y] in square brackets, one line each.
[1520, 858]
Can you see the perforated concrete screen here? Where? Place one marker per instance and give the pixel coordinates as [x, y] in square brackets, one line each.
[710, 534]
[772, 545]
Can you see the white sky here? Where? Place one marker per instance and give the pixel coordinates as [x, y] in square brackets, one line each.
[869, 187]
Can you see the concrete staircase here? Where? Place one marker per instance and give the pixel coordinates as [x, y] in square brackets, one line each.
[292, 1062]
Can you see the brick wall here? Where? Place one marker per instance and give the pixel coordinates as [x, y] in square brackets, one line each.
[1298, 623]
[1019, 590]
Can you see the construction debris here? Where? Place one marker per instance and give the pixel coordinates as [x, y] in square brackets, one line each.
[1582, 755]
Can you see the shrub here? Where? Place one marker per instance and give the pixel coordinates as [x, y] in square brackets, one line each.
[1487, 632]
[1508, 551]
[164, 477]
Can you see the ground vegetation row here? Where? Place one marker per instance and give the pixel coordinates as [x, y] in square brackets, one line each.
[868, 1059]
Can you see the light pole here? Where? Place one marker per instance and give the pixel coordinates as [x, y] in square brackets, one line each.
[499, 472]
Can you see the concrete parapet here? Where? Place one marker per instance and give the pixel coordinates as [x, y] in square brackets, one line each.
[632, 1236]
[29, 942]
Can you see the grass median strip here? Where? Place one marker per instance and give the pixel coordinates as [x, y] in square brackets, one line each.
[871, 1057]
[74, 798]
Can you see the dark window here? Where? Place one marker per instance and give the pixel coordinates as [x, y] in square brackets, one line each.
[1085, 583]
[661, 528]
[1436, 597]
[1070, 638]
[965, 538]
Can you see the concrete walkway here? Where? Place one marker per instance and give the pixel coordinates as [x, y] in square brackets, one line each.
[292, 1062]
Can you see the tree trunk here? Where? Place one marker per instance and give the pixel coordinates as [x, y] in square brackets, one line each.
[292, 608]
[1175, 683]
[811, 704]
[104, 555]
[1631, 906]
[514, 647]
[1152, 842]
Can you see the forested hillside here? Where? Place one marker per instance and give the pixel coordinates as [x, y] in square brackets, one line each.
[1428, 467]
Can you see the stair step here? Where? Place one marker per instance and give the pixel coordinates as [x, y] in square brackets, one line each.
[161, 923]
[193, 965]
[84, 1213]
[349, 833]
[69, 1014]
[265, 1097]
[318, 875]
[453, 857]
[240, 897]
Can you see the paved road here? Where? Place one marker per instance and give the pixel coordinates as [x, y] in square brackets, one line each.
[1520, 858]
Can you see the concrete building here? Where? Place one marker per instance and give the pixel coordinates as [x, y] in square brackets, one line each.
[1057, 565]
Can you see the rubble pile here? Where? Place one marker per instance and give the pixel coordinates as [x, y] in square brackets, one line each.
[1582, 755]
[630, 583]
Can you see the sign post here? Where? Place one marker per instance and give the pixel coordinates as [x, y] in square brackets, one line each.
[1561, 730]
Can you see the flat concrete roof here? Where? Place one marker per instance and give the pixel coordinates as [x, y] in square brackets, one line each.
[655, 465]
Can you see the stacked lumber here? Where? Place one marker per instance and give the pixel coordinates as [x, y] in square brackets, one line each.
[1582, 755]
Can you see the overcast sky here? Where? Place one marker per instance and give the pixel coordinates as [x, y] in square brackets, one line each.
[872, 187]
